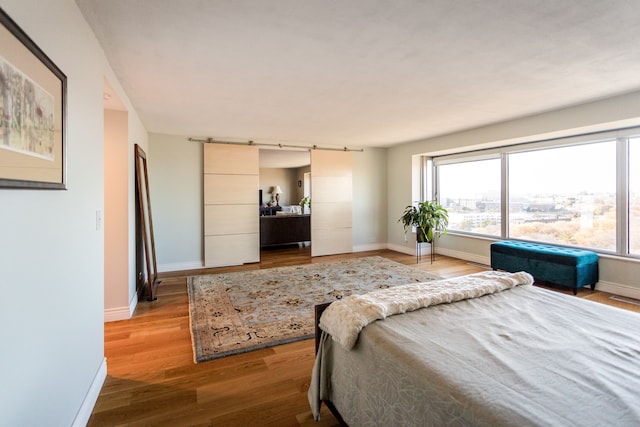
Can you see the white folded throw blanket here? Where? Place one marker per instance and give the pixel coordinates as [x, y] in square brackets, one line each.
[344, 319]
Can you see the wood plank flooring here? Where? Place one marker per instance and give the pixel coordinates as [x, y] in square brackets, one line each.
[152, 379]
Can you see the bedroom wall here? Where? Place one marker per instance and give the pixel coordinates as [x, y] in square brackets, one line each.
[122, 130]
[616, 274]
[116, 218]
[369, 208]
[175, 174]
[176, 188]
[52, 361]
[137, 135]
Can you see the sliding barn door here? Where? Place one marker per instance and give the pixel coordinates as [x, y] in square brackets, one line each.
[231, 214]
[331, 194]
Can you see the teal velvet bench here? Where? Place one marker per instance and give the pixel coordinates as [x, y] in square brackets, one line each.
[574, 268]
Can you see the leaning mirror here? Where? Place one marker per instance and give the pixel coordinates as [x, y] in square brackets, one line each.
[146, 268]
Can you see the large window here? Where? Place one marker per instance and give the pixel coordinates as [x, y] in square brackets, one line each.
[564, 195]
[634, 196]
[571, 191]
[470, 191]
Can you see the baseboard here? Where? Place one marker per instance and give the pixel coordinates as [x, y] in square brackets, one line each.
[89, 402]
[618, 289]
[133, 304]
[370, 247]
[478, 259]
[121, 313]
[118, 313]
[180, 266]
[425, 249]
[409, 250]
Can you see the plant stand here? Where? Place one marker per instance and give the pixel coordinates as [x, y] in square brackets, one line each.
[431, 252]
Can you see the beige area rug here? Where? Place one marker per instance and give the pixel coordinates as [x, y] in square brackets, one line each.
[234, 313]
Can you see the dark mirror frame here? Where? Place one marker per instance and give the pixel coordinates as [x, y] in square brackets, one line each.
[146, 268]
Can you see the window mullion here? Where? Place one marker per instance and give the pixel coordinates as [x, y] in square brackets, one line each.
[505, 196]
[622, 196]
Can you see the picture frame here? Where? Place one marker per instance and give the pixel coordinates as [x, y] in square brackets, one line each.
[33, 92]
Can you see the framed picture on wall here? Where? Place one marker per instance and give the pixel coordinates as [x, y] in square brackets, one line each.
[32, 113]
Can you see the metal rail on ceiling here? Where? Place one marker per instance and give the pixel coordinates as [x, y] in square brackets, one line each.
[313, 147]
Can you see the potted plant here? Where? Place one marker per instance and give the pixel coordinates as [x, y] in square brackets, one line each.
[306, 201]
[429, 218]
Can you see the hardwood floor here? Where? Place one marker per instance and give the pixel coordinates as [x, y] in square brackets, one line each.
[152, 379]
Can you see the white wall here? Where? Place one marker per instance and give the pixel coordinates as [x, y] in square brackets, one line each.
[116, 215]
[137, 135]
[616, 275]
[122, 130]
[369, 199]
[175, 188]
[51, 254]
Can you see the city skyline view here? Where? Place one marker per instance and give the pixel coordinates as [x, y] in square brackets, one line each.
[563, 195]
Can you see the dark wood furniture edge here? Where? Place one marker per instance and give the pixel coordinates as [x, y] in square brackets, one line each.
[335, 413]
[318, 310]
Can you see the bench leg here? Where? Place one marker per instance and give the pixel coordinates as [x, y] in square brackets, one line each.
[575, 290]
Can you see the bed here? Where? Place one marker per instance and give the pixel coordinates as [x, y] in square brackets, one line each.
[517, 356]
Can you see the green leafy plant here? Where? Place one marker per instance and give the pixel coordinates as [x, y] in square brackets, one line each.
[429, 218]
[306, 201]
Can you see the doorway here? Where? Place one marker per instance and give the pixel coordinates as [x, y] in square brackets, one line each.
[284, 181]
[118, 285]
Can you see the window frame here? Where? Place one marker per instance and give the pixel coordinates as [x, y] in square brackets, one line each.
[622, 179]
[458, 159]
[626, 164]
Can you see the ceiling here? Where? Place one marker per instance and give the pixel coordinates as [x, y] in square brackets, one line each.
[361, 73]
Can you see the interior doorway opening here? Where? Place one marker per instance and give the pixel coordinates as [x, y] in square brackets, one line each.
[285, 222]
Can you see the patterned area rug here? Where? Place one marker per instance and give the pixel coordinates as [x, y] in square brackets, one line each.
[234, 313]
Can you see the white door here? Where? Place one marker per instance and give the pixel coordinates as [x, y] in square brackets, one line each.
[331, 196]
[231, 216]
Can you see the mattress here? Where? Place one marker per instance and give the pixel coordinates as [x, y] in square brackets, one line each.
[521, 357]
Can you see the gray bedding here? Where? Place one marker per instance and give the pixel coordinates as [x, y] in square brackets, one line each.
[525, 356]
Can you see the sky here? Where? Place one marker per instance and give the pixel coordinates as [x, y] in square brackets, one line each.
[568, 170]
